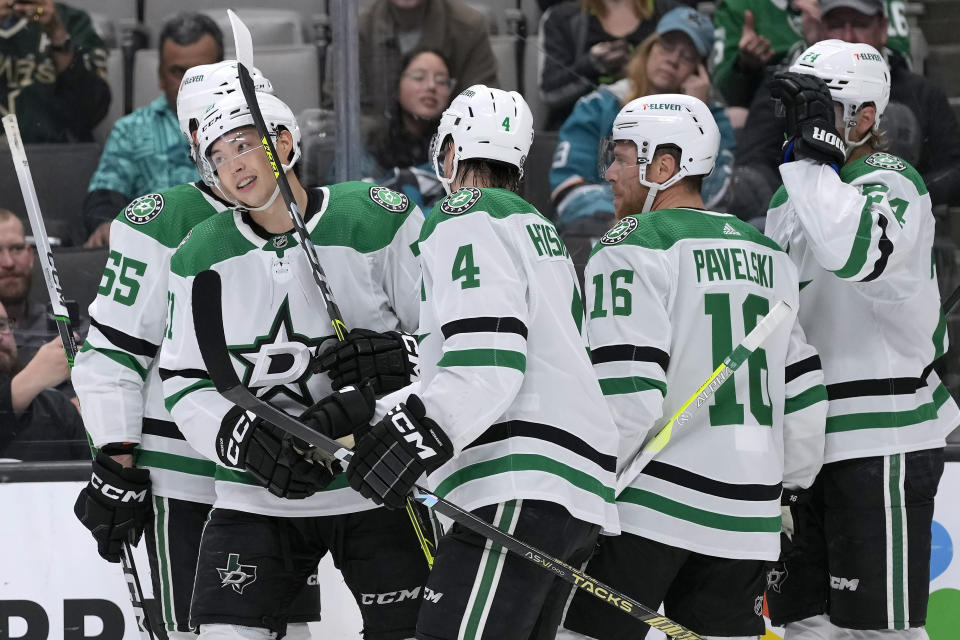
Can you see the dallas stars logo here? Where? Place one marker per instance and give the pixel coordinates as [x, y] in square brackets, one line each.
[389, 199]
[278, 363]
[144, 209]
[620, 231]
[237, 576]
[462, 200]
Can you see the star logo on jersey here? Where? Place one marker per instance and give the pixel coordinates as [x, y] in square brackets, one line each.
[885, 161]
[620, 231]
[144, 209]
[461, 201]
[278, 363]
[237, 576]
[776, 576]
[389, 199]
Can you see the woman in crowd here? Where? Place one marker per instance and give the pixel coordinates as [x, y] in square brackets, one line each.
[672, 60]
[587, 43]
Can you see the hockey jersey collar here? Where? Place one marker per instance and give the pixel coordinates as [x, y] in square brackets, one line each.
[316, 204]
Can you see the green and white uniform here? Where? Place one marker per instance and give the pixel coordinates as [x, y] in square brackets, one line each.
[365, 238]
[669, 294]
[116, 377]
[504, 367]
[869, 301]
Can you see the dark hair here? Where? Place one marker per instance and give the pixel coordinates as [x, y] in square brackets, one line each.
[391, 144]
[187, 27]
[692, 183]
[491, 173]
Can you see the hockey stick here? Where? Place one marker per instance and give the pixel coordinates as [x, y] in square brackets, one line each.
[705, 391]
[208, 324]
[62, 317]
[951, 302]
[244, 46]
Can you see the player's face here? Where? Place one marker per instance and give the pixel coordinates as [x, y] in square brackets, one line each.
[175, 59]
[16, 262]
[624, 178]
[850, 25]
[424, 89]
[671, 61]
[242, 166]
[8, 346]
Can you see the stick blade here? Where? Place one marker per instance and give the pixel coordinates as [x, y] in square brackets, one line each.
[242, 40]
[208, 325]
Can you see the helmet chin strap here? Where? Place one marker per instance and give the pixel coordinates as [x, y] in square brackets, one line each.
[851, 145]
[443, 179]
[655, 188]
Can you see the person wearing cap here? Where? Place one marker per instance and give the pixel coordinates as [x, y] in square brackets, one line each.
[672, 288]
[923, 127]
[671, 60]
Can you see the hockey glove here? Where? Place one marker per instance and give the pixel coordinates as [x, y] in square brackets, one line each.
[811, 120]
[277, 460]
[790, 516]
[115, 505]
[389, 360]
[343, 412]
[392, 455]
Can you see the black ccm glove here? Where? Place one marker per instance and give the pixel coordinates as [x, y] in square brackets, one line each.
[390, 457]
[287, 466]
[116, 504]
[811, 120]
[389, 360]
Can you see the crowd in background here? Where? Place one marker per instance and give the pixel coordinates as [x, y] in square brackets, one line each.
[416, 56]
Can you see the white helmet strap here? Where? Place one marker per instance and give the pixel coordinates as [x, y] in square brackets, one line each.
[655, 188]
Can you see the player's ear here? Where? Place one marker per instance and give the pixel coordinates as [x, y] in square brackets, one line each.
[285, 146]
[866, 118]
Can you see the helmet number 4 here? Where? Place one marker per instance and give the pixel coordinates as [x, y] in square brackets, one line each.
[506, 124]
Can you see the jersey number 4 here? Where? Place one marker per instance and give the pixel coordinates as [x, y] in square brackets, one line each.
[725, 408]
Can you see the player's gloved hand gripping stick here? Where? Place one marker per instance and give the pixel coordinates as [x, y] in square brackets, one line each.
[208, 323]
[126, 516]
[244, 46]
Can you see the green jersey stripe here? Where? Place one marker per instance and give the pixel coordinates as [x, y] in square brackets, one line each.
[484, 358]
[174, 462]
[633, 384]
[120, 357]
[223, 474]
[813, 395]
[939, 343]
[889, 419]
[525, 462]
[672, 508]
[171, 401]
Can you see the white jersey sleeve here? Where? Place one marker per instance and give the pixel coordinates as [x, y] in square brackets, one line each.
[480, 370]
[400, 271]
[804, 412]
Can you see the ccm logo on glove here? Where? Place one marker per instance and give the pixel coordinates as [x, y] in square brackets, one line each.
[115, 493]
[408, 430]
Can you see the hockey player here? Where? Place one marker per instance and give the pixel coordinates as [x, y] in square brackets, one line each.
[672, 289]
[276, 513]
[508, 420]
[118, 384]
[857, 222]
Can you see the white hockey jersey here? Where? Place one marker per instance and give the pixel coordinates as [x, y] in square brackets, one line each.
[669, 294]
[365, 238]
[504, 367]
[870, 304]
[116, 376]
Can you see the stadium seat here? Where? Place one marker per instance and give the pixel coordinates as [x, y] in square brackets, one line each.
[115, 80]
[105, 28]
[268, 27]
[156, 11]
[80, 271]
[61, 173]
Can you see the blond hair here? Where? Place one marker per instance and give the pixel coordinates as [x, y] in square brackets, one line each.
[637, 69]
[643, 8]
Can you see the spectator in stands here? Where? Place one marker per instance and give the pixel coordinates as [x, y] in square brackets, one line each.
[391, 28]
[37, 422]
[398, 148]
[928, 135]
[759, 35]
[146, 151]
[16, 271]
[587, 43]
[672, 60]
[54, 69]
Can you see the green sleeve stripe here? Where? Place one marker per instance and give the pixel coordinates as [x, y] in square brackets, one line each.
[173, 462]
[801, 401]
[861, 244]
[634, 384]
[778, 198]
[939, 343]
[179, 395]
[484, 358]
[746, 524]
[890, 419]
[120, 357]
[525, 462]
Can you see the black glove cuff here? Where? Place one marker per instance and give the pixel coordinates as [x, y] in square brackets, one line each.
[793, 497]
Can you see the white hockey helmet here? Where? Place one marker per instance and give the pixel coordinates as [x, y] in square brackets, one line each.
[856, 74]
[667, 119]
[205, 84]
[486, 123]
